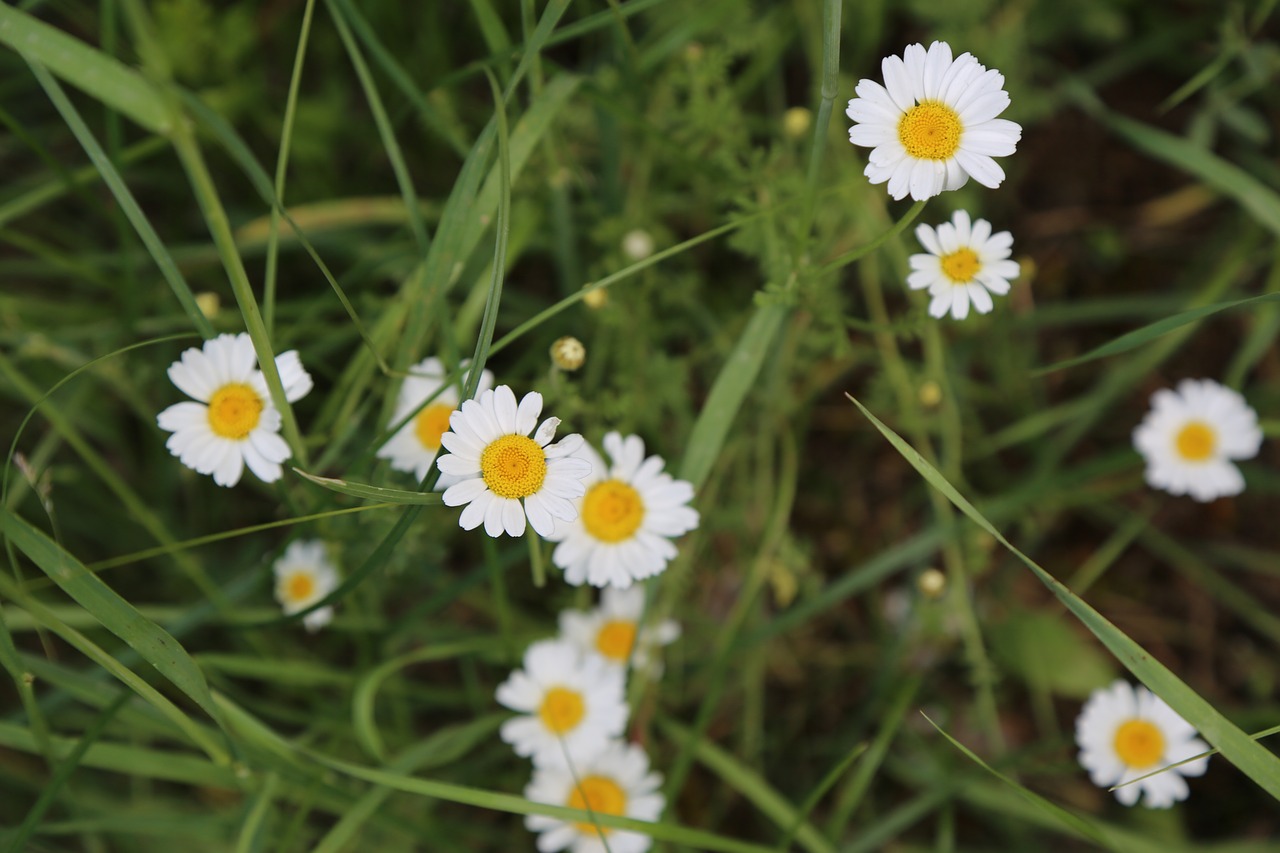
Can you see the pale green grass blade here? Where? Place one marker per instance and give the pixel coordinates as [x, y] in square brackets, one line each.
[819, 791]
[372, 493]
[1256, 762]
[251, 836]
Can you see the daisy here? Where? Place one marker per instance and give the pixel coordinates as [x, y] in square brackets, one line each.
[1190, 435]
[497, 465]
[933, 124]
[415, 444]
[234, 423]
[964, 261]
[617, 781]
[1124, 733]
[571, 704]
[304, 575]
[627, 519]
[613, 630]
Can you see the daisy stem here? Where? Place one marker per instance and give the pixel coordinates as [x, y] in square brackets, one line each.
[830, 79]
[862, 251]
[536, 562]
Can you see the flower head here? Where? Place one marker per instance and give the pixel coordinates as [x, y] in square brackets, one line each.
[932, 125]
[497, 465]
[1190, 435]
[616, 781]
[234, 423]
[964, 261]
[571, 704]
[626, 520]
[613, 630]
[1124, 733]
[416, 443]
[304, 575]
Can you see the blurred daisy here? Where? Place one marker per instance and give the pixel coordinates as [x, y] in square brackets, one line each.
[1125, 732]
[304, 575]
[415, 444]
[1190, 435]
[234, 423]
[626, 520]
[932, 125]
[571, 704]
[497, 465]
[613, 630]
[964, 261]
[617, 781]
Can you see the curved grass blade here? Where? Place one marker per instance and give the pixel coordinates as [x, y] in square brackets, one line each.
[372, 493]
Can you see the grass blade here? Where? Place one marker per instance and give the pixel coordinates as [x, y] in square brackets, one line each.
[372, 493]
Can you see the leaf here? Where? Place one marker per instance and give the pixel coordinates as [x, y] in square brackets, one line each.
[372, 493]
[1043, 651]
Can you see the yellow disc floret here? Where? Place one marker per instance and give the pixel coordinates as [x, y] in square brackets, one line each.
[612, 511]
[615, 639]
[600, 795]
[1196, 441]
[513, 466]
[431, 423]
[961, 265]
[562, 709]
[930, 131]
[298, 587]
[234, 410]
[1139, 744]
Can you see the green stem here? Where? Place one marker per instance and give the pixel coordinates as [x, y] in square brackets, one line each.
[862, 251]
[536, 561]
[830, 80]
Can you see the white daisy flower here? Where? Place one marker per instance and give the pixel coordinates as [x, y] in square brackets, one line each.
[1124, 733]
[964, 261]
[234, 423]
[1190, 435]
[626, 520]
[497, 465]
[613, 630]
[571, 704]
[415, 444]
[932, 125]
[304, 575]
[617, 781]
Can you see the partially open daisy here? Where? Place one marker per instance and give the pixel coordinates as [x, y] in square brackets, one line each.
[617, 781]
[626, 520]
[571, 704]
[304, 575]
[932, 125]
[1124, 733]
[498, 465]
[234, 423]
[613, 630]
[964, 261]
[1191, 435]
[416, 443]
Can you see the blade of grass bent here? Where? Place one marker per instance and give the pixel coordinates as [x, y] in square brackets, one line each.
[372, 493]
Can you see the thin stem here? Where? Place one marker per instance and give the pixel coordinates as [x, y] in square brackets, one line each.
[830, 79]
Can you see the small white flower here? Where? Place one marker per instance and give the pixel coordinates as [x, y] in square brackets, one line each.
[304, 575]
[626, 520]
[497, 465]
[617, 781]
[1189, 437]
[1124, 733]
[571, 704]
[234, 423]
[416, 443]
[964, 261]
[933, 124]
[613, 630]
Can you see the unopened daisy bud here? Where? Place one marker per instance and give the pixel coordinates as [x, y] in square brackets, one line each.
[932, 584]
[694, 51]
[568, 353]
[637, 244]
[596, 299]
[796, 122]
[930, 394]
[208, 303]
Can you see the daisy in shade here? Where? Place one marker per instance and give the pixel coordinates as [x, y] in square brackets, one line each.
[497, 465]
[416, 443]
[571, 704]
[304, 575]
[626, 520]
[964, 261]
[1124, 733]
[613, 630]
[234, 423]
[1191, 435]
[617, 781]
[932, 125]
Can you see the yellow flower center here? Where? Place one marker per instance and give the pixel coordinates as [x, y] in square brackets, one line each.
[513, 466]
[562, 709]
[431, 423]
[612, 511]
[1139, 744]
[600, 795]
[961, 265]
[298, 587]
[1196, 441]
[234, 410]
[615, 639]
[930, 131]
